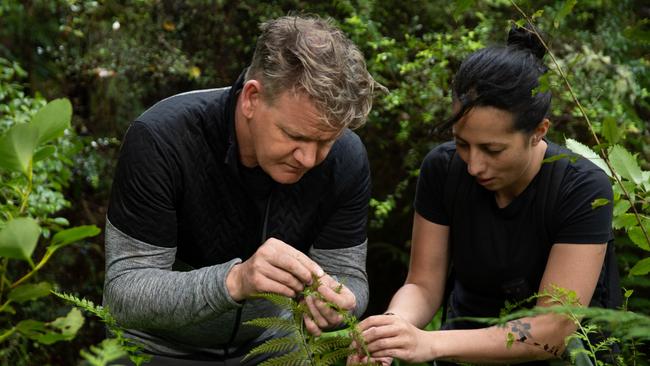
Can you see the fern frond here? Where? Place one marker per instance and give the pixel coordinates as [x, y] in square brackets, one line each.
[332, 357]
[283, 302]
[290, 359]
[87, 305]
[274, 345]
[103, 353]
[323, 345]
[273, 323]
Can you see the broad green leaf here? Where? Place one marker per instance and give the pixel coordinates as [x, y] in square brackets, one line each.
[621, 207]
[553, 158]
[17, 147]
[51, 120]
[587, 153]
[462, 6]
[61, 329]
[43, 153]
[598, 202]
[646, 180]
[641, 268]
[630, 187]
[19, 238]
[624, 221]
[625, 164]
[30, 292]
[72, 235]
[636, 235]
[610, 130]
[566, 9]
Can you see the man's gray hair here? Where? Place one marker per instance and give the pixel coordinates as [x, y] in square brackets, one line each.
[309, 54]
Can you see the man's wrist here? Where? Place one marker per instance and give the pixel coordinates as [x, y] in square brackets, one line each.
[232, 283]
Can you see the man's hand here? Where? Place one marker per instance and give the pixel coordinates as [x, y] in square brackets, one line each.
[322, 315]
[275, 267]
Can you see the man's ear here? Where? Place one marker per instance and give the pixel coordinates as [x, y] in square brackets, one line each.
[540, 131]
[251, 95]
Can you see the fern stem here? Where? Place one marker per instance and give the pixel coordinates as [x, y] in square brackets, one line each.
[603, 153]
[3, 279]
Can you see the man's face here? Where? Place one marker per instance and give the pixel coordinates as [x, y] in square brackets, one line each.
[288, 137]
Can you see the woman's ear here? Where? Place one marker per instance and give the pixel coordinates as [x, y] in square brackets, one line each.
[540, 131]
[251, 95]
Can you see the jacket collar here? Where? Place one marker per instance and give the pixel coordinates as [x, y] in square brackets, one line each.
[232, 153]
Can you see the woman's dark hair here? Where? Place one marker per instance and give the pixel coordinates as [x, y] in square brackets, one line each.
[504, 78]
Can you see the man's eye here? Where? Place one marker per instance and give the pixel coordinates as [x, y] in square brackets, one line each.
[493, 152]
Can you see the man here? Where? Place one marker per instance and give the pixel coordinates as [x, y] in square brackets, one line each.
[224, 193]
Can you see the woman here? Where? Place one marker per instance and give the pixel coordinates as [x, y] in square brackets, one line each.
[493, 223]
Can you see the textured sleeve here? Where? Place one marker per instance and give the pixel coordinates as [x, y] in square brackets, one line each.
[577, 221]
[348, 265]
[142, 291]
[429, 202]
[341, 246]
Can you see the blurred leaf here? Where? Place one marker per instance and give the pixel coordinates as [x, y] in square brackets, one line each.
[610, 130]
[599, 202]
[30, 292]
[566, 9]
[169, 26]
[462, 6]
[624, 221]
[43, 153]
[587, 153]
[621, 207]
[103, 353]
[559, 157]
[17, 147]
[637, 32]
[625, 164]
[69, 236]
[51, 120]
[641, 268]
[544, 84]
[19, 238]
[61, 329]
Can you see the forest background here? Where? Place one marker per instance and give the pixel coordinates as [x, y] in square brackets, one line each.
[113, 59]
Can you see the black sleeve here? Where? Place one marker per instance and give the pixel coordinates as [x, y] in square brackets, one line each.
[429, 202]
[142, 202]
[578, 222]
[347, 225]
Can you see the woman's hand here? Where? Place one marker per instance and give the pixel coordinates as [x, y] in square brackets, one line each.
[390, 336]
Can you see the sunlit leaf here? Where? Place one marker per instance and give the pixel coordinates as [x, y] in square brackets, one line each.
[598, 202]
[43, 153]
[566, 9]
[587, 153]
[636, 235]
[61, 329]
[72, 235]
[51, 120]
[19, 238]
[624, 221]
[641, 268]
[625, 164]
[30, 292]
[17, 147]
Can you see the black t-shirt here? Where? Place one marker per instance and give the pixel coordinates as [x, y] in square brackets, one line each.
[179, 183]
[500, 254]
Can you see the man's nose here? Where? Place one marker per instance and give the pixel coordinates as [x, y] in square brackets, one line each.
[307, 154]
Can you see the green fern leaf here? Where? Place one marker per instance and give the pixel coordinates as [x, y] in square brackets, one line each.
[274, 323]
[274, 345]
[290, 359]
[332, 357]
[103, 353]
[283, 302]
[323, 345]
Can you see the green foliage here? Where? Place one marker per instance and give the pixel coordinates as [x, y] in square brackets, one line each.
[111, 348]
[297, 346]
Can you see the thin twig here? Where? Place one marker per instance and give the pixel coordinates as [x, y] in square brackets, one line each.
[603, 153]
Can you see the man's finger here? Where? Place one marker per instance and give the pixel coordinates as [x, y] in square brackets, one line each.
[311, 326]
[315, 313]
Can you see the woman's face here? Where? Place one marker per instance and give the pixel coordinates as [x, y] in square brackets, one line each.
[498, 156]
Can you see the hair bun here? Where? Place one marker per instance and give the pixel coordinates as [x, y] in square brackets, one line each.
[525, 39]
